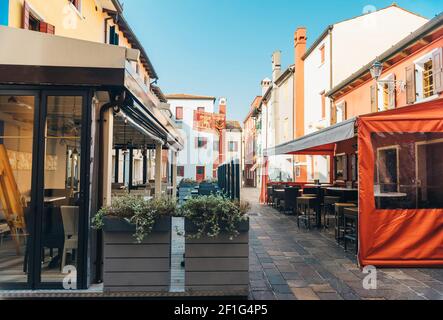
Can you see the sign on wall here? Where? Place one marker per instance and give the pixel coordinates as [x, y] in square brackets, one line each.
[208, 122]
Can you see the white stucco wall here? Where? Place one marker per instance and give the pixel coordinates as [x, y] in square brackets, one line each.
[233, 136]
[191, 157]
[357, 41]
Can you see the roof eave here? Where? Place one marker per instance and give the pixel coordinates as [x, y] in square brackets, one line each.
[432, 25]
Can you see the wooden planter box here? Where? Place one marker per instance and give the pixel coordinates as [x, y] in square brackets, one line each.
[218, 265]
[130, 266]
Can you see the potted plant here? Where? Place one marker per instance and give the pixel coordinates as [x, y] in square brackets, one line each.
[137, 243]
[216, 245]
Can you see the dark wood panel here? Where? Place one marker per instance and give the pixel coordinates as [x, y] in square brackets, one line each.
[136, 265]
[217, 278]
[126, 238]
[137, 251]
[129, 279]
[217, 264]
[216, 250]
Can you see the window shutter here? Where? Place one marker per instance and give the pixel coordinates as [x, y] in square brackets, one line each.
[392, 94]
[345, 110]
[437, 63]
[374, 98]
[411, 94]
[333, 114]
[26, 9]
[47, 28]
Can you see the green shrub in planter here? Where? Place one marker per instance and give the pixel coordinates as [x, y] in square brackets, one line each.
[212, 215]
[137, 211]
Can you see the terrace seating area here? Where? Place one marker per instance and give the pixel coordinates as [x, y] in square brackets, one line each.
[333, 209]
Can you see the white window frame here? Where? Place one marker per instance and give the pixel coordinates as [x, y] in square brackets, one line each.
[79, 10]
[380, 85]
[419, 68]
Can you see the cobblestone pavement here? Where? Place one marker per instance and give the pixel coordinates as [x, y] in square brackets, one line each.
[287, 263]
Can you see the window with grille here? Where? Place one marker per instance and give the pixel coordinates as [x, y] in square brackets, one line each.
[428, 80]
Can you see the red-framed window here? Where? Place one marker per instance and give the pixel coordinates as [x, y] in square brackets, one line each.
[180, 171]
[179, 113]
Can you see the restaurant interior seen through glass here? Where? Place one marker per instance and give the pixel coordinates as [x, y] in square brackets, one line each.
[39, 153]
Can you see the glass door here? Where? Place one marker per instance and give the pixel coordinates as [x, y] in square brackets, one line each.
[17, 214]
[61, 199]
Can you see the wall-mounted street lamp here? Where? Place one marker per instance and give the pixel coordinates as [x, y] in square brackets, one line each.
[376, 72]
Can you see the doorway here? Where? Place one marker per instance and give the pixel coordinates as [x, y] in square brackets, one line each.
[201, 173]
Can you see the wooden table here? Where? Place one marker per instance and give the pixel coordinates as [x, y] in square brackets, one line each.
[391, 195]
[341, 189]
[379, 196]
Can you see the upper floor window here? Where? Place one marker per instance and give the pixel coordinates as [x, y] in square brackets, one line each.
[77, 4]
[31, 20]
[386, 94]
[113, 36]
[338, 112]
[428, 80]
[201, 109]
[233, 146]
[424, 78]
[179, 113]
[201, 142]
[180, 171]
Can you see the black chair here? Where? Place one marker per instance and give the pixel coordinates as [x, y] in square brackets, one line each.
[53, 235]
[351, 227]
[289, 203]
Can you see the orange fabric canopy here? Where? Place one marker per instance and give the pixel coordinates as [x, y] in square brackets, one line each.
[403, 237]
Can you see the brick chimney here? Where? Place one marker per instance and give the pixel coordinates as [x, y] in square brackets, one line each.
[222, 108]
[299, 82]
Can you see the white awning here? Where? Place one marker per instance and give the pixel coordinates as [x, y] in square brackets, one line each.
[342, 131]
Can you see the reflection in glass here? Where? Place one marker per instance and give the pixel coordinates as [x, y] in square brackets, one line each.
[16, 149]
[61, 186]
[408, 170]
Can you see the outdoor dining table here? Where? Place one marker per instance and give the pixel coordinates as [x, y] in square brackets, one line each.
[380, 196]
[341, 189]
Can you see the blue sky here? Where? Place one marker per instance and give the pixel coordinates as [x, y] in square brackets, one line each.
[223, 47]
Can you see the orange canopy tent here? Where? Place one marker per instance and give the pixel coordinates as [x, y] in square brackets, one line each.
[401, 213]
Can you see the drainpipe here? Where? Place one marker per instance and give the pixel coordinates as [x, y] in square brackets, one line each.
[115, 104]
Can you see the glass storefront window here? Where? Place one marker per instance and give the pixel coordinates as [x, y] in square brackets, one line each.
[16, 153]
[408, 170]
[61, 186]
